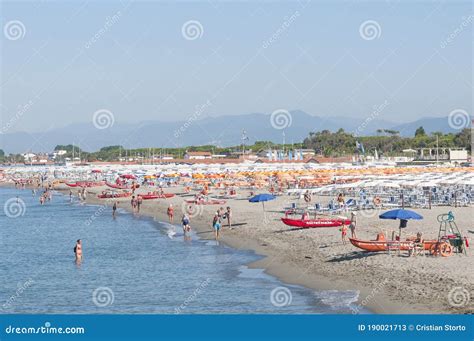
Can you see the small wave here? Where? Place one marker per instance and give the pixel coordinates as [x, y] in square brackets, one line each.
[337, 299]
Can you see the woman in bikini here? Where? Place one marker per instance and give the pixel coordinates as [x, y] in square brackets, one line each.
[78, 251]
[170, 212]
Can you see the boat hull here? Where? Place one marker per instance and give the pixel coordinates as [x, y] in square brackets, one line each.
[384, 245]
[315, 223]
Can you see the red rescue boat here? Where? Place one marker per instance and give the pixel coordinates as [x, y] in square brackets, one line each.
[314, 223]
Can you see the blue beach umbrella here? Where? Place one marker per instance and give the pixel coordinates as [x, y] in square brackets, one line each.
[262, 198]
[401, 214]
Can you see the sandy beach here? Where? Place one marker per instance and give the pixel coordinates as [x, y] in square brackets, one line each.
[316, 258]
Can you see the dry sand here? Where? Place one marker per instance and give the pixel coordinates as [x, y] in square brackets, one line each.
[316, 258]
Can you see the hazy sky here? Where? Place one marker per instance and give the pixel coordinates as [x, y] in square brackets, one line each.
[66, 60]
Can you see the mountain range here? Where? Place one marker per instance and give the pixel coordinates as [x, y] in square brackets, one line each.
[220, 131]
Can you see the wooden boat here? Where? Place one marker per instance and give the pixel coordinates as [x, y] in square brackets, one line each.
[312, 223]
[86, 184]
[109, 195]
[149, 196]
[116, 186]
[381, 244]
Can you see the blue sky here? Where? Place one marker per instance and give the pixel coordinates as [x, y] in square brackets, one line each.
[139, 66]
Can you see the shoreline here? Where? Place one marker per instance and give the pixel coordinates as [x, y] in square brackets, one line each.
[319, 261]
[271, 263]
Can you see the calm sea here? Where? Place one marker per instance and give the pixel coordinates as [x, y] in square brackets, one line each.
[131, 265]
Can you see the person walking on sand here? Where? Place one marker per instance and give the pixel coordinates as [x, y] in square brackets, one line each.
[139, 202]
[185, 222]
[343, 233]
[170, 212]
[114, 209]
[78, 251]
[228, 216]
[216, 225]
[353, 224]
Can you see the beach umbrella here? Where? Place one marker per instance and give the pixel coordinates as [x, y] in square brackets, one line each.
[402, 215]
[262, 198]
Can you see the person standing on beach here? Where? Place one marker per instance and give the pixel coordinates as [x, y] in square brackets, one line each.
[352, 226]
[133, 202]
[170, 212]
[185, 222]
[114, 209]
[78, 251]
[216, 225]
[139, 202]
[228, 216]
[70, 195]
[343, 233]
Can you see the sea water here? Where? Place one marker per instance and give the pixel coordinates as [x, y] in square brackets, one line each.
[132, 264]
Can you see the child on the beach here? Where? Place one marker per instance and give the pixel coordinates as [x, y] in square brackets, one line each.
[343, 233]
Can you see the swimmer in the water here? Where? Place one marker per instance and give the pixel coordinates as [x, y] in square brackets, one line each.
[78, 251]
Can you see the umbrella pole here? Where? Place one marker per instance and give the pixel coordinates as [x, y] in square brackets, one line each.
[264, 214]
[399, 240]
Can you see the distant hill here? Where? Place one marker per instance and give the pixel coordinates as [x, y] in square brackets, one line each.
[221, 131]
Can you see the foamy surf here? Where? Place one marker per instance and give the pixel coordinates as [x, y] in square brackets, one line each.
[337, 299]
